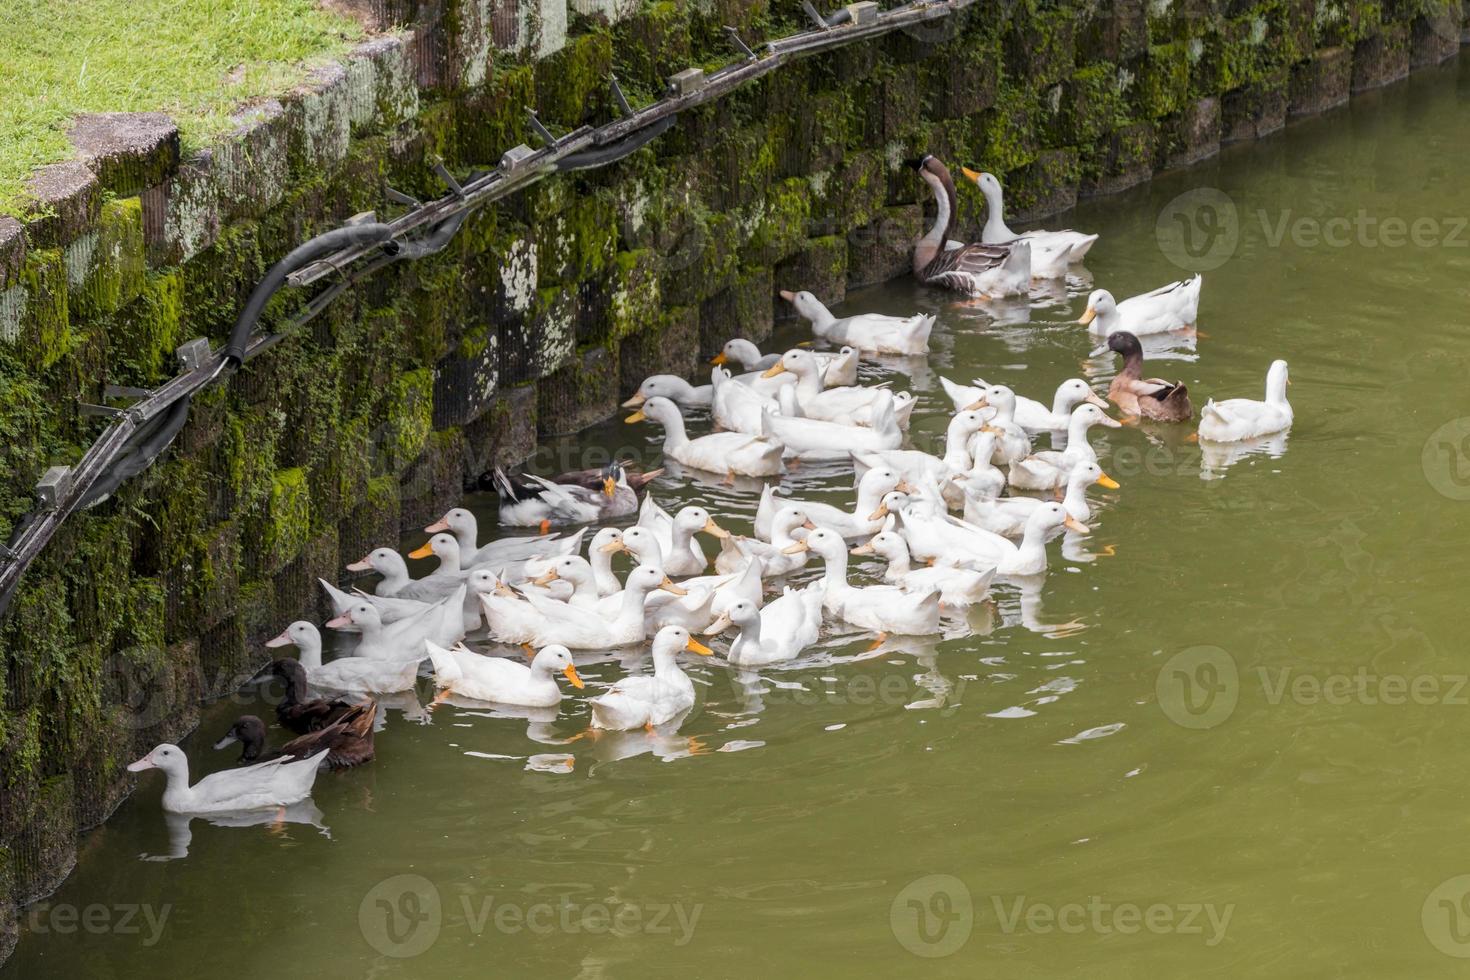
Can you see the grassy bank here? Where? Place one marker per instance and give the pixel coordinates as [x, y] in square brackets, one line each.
[194, 59]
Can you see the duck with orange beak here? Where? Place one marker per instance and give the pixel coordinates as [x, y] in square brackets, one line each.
[1052, 252]
[649, 701]
[502, 680]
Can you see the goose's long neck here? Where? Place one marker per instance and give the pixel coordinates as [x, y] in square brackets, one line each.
[809, 383]
[1031, 553]
[750, 632]
[819, 315]
[933, 243]
[1076, 499]
[448, 561]
[996, 229]
[467, 535]
[632, 610]
[177, 788]
[666, 666]
[1062, 402]
[868, 499]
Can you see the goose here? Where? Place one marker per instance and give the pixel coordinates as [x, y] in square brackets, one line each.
[815, 439]
[1048, 470]
[990, 271]
[778, 632]
[838, 368]
[1011, 441]
[737, 551]
[278, 783]
[1150, 398]
[957, 585]
[734, 453]
[648, 701]
[1237, 419]
[873, 333]
[348, 740]
[527, 500]
[1007, 515]
[501, 680]
[1171, 307]
[856, 523]
[882, 608]
[738, 407]
[1030, 414]
[585, 629]
[466, 529]
[673, 388]
[404, 640]
[1059, 248]
[350, 674]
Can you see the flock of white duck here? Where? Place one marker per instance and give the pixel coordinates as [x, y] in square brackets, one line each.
[542, 593]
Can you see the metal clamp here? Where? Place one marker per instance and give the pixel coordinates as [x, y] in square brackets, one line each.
[194, 354]
[54, 484]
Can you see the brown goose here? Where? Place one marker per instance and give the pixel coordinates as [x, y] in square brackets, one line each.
[348, 740]
[989, 271]
[1151, 398]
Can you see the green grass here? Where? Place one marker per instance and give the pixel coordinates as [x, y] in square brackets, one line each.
[197, 60]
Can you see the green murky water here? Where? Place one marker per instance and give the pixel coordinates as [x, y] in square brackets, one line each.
[1247, 760]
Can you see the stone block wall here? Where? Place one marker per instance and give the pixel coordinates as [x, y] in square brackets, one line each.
[544, 310]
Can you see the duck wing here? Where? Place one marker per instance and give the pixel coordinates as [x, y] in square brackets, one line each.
[956, 267]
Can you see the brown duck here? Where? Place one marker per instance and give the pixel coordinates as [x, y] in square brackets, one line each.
[297, 710]
[1150, 398]
[348, 740]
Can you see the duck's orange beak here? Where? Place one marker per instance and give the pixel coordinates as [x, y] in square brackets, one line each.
[1088, 316]
[1107, 481]
[635, 417]
[426, 551]
[773, 370]
[609, 486]
[573, 676]
[695, 646]
[972, 174]
[719, 359]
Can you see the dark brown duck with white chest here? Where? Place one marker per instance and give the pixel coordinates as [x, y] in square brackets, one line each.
[1150, 398]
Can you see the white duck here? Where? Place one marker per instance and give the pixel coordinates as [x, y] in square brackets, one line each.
[647, 701]
[1051, 251]
[1011, 441]
[933, 535]
[404, 640]
[838, 369]
[1237, 419]
[466, 530]
[829, 404]
[606, 543]
[586, 629]
[737, 551]
[1031, 414]
[676, 536]
[884, 608]
[1171, 307]
[737, 407]
[733, 453]
[392, 609]
[1048, 470]
[815, 439]
[1008, 515]
[957, 585]
[868, 332]
[780, 631]
[915, 465]
[277, 783]
[708, 595]
[357, 675]
[673, 388]
[857, 523]
[502, 680]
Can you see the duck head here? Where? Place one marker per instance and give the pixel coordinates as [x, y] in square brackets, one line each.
[695, 520]
[660, 386]
[1086, 473]
[608, 541]
[885, 544]
[384, 561]
[790, 519]
[823, 542]
[738, 351]
[1053, 515]
[742, 613]
[457, 522]
[659, 409]
[642, 544]
[671, 639]
[1089, 415]
[358, 615]
[646, 578]
[247, 730]
[169, 758]
[557, 659]
[569, 568]
[1075, 391]
[300, 634]
[440, 545]
[799, 362]
[1099, 304]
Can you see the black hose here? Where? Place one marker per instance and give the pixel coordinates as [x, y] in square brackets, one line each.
[145, 446]
[303, 254]
[603, 155]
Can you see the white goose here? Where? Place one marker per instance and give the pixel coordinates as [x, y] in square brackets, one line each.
[990, 271]
[674, 388]
[648, 701]
[957, 585]
[1051, 251]
[1171, 307]
[734, 453]
[868, 332]
[465, 528]
[680, 549]
[781, 631]
[504, 681]
[707, 595]
[1048, 470]
[1237, 419]
[884, 608]
[956, 542]
[356, 675]
[914, 465]
[815, 439]
[277, 783]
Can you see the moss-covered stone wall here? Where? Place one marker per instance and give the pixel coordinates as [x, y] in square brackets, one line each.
[542, 313]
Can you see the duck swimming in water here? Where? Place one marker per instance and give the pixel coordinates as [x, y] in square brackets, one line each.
[1150, 398]
[989, 271]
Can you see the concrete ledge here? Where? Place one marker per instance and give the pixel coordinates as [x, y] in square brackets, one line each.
[64, 197]
[128, 151]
